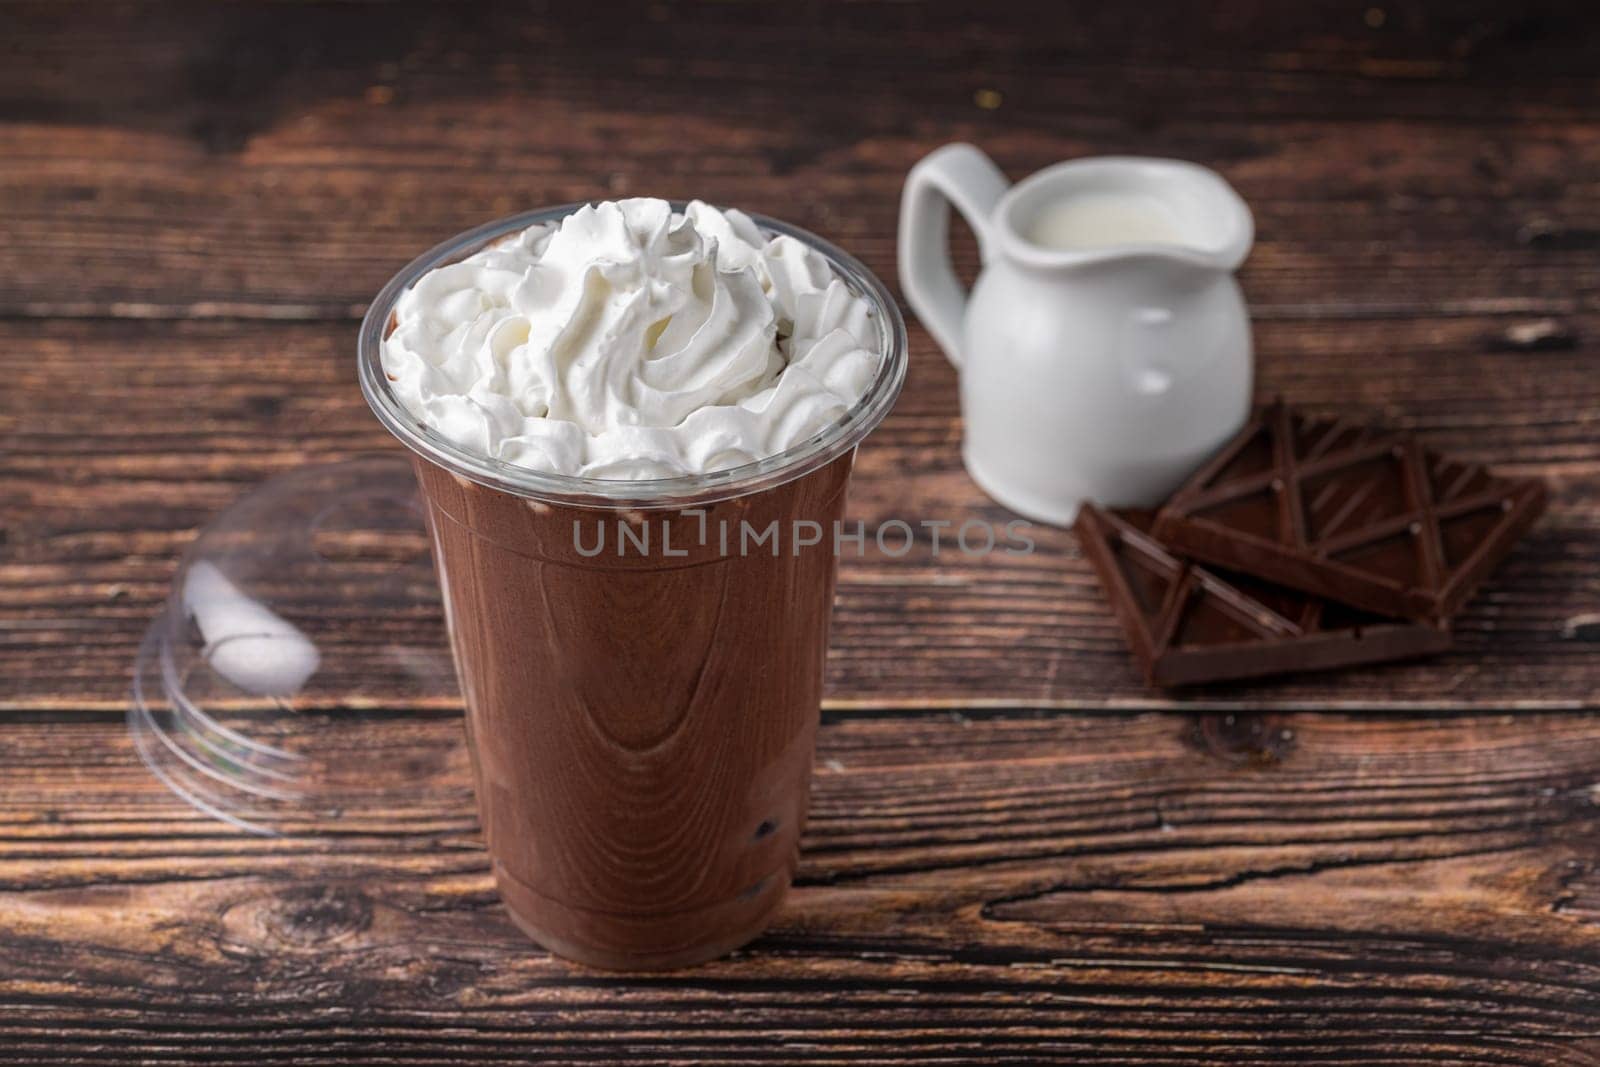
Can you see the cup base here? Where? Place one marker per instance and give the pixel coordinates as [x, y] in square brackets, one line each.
[614, 941]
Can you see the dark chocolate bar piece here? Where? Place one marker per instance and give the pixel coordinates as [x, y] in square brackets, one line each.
[1189, 625]
[1355, 514]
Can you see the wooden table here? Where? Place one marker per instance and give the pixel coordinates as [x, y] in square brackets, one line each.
[1018, 852]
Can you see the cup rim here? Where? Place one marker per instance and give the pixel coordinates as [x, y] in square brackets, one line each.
[686, 489]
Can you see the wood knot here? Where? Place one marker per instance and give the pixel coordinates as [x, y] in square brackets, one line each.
[263, 405]
[316, 915]
[300, 918]
[1245, 738]
[1578, 892]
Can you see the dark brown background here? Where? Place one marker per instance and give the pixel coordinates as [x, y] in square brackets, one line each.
[1017, 851]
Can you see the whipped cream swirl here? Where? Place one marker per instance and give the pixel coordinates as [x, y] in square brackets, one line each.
[630, 341]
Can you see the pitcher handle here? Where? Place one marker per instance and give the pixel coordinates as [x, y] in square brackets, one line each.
[958, 175]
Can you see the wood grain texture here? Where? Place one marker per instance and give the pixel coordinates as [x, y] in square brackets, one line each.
[196, 202]
[127, 436]
[181, 159]
[1069, 888]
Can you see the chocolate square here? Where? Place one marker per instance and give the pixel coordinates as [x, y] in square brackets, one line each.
[1351, 513]
[1188, 624]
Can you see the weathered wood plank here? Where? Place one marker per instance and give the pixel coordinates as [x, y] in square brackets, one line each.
[178, 160]
[1147, 888]
[121, 439]
[191, 235]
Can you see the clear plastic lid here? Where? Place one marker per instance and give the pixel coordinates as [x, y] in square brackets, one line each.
[300, 670]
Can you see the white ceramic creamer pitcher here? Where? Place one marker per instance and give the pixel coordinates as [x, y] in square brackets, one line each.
[1105, 350]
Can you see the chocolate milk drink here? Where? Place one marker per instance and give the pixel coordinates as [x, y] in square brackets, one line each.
[641, 658]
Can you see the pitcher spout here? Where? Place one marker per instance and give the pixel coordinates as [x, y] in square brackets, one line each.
[1089, 211]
